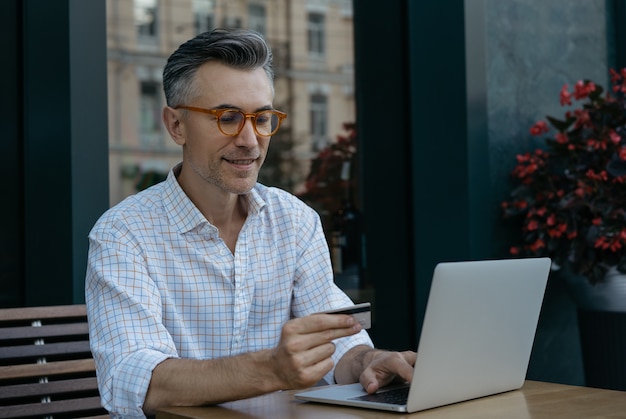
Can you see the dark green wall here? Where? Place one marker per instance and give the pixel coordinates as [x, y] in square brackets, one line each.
[55, 153]
[382, 95]
[11, 251]
[425, 178]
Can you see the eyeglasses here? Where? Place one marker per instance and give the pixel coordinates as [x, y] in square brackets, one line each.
[231, 121]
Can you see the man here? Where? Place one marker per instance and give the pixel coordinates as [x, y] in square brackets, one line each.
[203, 288]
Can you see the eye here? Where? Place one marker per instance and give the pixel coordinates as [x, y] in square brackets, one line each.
[231, 118]
[263, 118]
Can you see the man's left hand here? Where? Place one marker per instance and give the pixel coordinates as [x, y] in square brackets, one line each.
[374, 368]
[385, 367]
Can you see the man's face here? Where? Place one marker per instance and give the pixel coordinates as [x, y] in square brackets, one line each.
[210, 158]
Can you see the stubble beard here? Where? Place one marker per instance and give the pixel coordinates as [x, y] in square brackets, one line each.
[238, 185]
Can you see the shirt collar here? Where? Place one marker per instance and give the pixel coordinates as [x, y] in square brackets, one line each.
[185, 215]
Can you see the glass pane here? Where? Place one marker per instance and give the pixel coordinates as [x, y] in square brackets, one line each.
[316, 33]
[204, 15]
[145, 14]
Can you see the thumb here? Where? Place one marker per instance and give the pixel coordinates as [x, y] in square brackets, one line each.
[369, 381]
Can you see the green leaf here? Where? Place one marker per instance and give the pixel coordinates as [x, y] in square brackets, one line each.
[561, 125]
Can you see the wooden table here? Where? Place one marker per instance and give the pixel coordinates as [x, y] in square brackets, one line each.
[535, 400]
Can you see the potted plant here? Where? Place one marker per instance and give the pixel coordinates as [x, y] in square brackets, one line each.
[325, 187]
[570, 199]
[332, 189]
[571, 195]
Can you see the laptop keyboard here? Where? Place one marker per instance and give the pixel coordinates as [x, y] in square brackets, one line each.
[396, 396]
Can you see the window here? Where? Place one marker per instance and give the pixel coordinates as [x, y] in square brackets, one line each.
[313, 79]
[316, 33]
[319, 121]
[146, 19]
[256, 18]
[150, 115]
[204, 15]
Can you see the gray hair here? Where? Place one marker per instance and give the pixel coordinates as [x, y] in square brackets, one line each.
[238, 48]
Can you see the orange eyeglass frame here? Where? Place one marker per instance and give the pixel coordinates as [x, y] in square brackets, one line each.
[219, 112]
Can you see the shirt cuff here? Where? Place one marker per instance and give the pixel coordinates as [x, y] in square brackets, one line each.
[342, 346]
[131, 381]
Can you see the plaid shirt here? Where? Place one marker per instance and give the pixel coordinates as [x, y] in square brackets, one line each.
[162, 284]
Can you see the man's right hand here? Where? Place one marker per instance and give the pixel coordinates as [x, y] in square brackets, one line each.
[301, 359]
[303, 354]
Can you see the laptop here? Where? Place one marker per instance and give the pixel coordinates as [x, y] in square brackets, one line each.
[476, 339]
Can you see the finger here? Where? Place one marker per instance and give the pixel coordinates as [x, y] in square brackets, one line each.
[320, 322]
[410, 357]
[312, 374]
[300, 336]
[385, 368]
[369, 381]
[305, 368]
[315, 355]
[404, 367]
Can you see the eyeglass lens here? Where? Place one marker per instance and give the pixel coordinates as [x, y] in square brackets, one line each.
[265, 122]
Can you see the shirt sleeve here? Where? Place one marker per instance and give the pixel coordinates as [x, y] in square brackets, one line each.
[127, 337]
[314, 287]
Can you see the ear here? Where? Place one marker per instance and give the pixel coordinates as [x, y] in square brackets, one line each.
[172, 119]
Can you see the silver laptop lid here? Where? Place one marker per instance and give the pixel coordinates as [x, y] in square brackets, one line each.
[478, 330]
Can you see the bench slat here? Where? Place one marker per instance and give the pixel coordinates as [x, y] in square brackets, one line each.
[54, 407]
[49, 349]
[48, 331]
[41, 313]
[45, 370]
[48, 389]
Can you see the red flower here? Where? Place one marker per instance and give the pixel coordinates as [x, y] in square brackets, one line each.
[532, 225]
[539, 128]
[601, 176]
[538, 244]
[614, 136]
[608, 243]
[582, 89]
[557, 231]
[618, 80]
[561, 138]
[595, 144]
[615, 76]
[582, 118]
[566, 97]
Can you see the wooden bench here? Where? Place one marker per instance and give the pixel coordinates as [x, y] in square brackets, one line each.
[46, 366]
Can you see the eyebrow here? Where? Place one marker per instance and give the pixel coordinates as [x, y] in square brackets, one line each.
[229, 106]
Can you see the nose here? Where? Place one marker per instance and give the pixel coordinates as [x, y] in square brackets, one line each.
[247, 136]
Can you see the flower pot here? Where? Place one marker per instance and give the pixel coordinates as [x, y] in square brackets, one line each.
[602, 328]
[608, 295]
[603, 346]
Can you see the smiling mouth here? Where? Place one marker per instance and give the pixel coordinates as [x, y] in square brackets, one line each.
[241, 162]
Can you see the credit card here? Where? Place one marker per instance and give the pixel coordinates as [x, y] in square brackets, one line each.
[362, 313]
